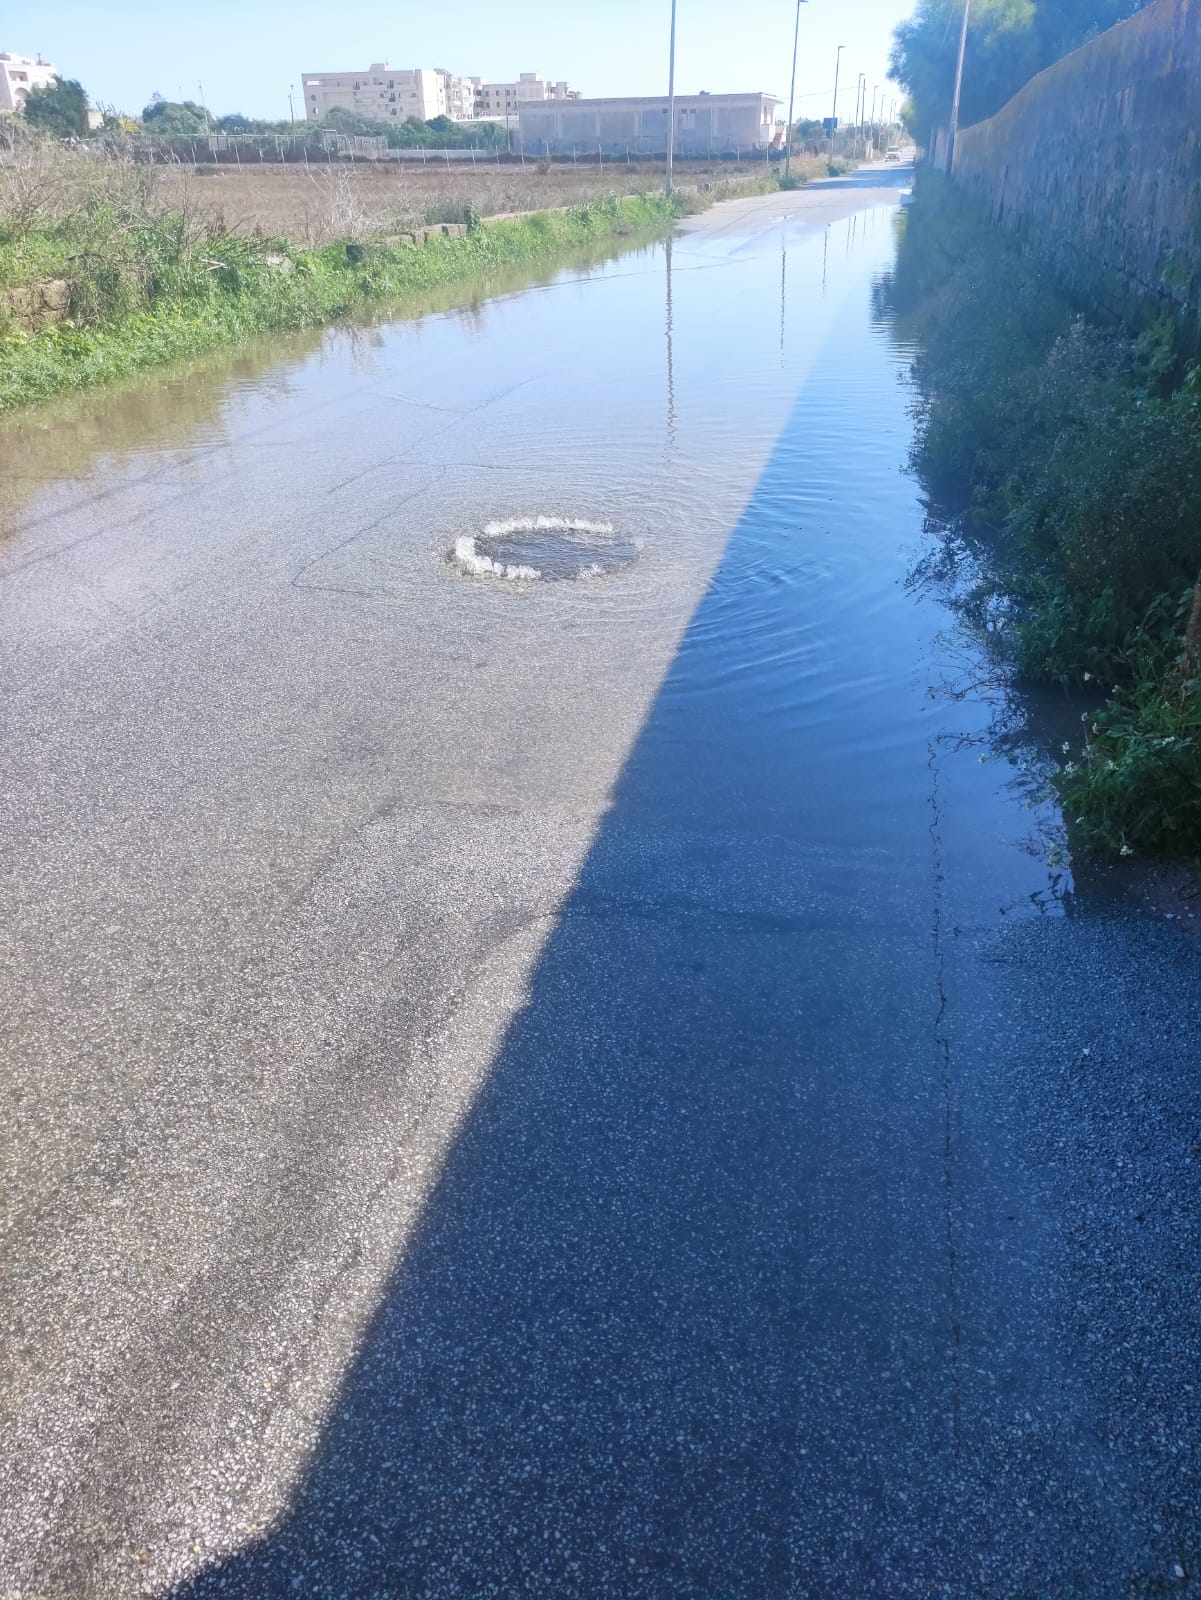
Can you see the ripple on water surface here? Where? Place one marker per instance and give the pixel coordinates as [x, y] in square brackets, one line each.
[544, 549]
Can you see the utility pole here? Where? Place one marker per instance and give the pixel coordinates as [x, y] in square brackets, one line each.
[860, 91]
[671, 97]
[834, 111]
[291, 107]
[796, 33]
[967, 4]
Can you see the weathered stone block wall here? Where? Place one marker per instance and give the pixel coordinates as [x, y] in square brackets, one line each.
[1097, 163]
[36, 305]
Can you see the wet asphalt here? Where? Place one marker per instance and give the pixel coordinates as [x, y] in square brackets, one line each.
[577, 1093]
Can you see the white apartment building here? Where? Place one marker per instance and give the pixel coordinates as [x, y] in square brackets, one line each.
[504, 99]
[387, 94]
[20, 74]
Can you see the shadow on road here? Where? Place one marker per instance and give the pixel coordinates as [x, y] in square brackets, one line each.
[751, 1273]
[663, 1296]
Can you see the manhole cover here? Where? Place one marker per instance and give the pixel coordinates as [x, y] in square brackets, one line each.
[532, 549]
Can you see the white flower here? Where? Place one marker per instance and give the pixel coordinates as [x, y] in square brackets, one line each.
[1126, 850]
[1088, 677]
[1066, 747]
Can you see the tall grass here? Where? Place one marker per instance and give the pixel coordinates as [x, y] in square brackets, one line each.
[154, 275]
[146, 288]
[1070, 453]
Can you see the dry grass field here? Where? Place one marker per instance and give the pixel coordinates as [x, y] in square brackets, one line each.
[313, 206]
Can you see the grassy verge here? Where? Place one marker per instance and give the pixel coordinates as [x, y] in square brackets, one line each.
[804, 170]
[145, 291]
[1068, 454]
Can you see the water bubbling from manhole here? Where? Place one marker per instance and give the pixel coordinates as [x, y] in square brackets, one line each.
[544, 548]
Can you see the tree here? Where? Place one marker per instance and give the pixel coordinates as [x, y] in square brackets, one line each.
[440, 132]
[235, 122]
[172, 119]
[60, 109]
[1008, 42]
[808, 131]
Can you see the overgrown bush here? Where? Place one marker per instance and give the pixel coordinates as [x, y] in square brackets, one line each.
[150, 285]
[1070, 454]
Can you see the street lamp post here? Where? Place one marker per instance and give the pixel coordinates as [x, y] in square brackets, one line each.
[291, 107]
[671, 97]
[872, 124]
[958, 87]
[796, 34]
[834, 111]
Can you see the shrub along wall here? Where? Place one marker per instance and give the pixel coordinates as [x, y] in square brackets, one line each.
[1098, 162]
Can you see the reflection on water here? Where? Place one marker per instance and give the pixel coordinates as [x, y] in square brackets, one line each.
[667, 324]
[1027, 731]
[809, 632]
[706, 841]
[191, 406]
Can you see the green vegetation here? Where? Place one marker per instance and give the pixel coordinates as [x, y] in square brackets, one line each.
[175, 121]
[60, 109]
[170, 119]
[804, 170]
[1008, 42]
[1069, 456]
[145, 289]
[440, 133]
[61, 112]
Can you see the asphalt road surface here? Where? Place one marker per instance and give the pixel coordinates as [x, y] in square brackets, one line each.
[606, 1087]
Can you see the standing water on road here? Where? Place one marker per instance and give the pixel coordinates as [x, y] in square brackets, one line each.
[581, 1088]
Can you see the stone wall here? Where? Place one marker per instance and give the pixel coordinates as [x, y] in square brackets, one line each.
[35, 305]
[1097, 164]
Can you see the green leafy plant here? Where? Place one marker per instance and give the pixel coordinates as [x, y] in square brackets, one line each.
[1069, 454]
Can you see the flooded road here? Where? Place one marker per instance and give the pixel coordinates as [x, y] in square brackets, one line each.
[582, 1084]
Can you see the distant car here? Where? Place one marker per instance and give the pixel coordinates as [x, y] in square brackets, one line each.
[893, 155]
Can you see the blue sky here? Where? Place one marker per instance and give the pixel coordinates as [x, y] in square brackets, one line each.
[247, 52]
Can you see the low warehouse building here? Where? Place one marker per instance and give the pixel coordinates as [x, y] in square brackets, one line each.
[706, 124]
